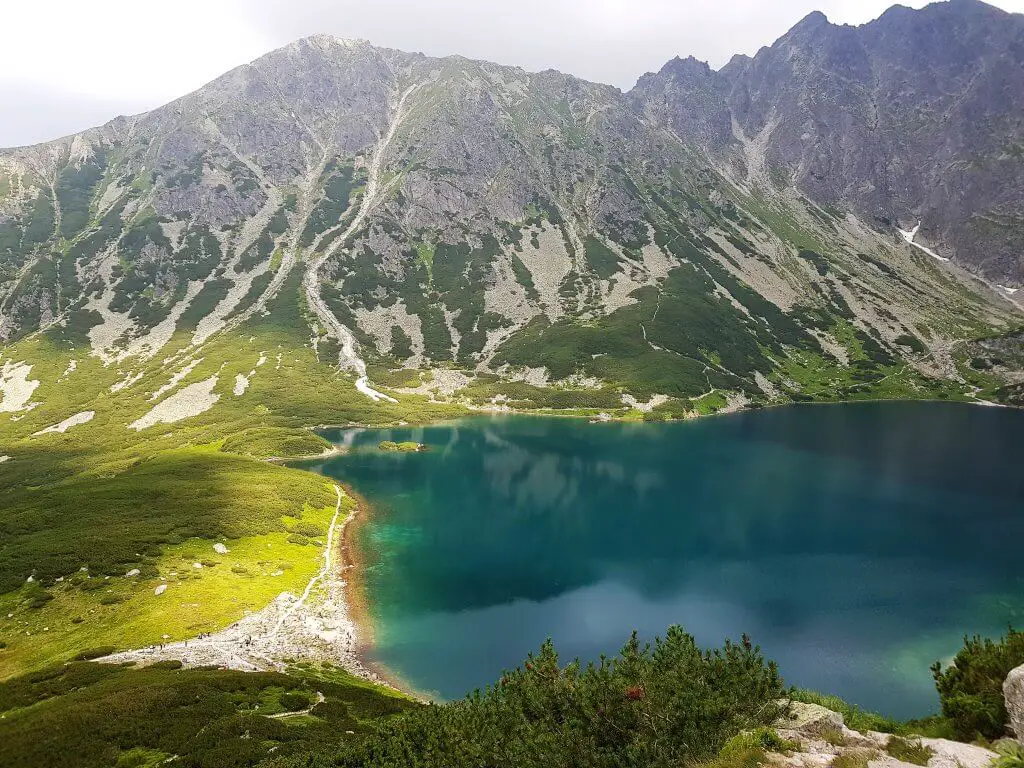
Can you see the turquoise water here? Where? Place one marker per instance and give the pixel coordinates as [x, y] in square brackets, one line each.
[855, 543]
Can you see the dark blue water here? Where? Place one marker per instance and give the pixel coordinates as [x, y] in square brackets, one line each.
[856, 544]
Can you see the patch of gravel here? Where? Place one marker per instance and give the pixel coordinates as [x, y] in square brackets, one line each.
[241, 384]
[548, 265]
[443, 382]
[128, 381]
[217, 319]
[504, 295]
[379, 321]
[650, 405]
[72, 421]
[313, 626]
[191, 401]
[175, 380]
[538, 377]
[16, 388]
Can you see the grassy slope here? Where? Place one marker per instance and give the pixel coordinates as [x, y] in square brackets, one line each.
[111, 500]
[86, 714]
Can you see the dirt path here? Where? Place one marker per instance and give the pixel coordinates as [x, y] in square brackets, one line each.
[314, 626]
[306, 711]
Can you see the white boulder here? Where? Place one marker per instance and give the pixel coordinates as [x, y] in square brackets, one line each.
[1013, 693]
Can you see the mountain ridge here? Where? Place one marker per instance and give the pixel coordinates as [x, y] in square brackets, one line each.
[419, 242]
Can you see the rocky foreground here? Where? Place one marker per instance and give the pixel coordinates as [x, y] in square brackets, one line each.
[820, 737]
[823, 739]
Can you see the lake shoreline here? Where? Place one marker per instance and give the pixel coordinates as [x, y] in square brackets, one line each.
[353, 562]
[365, 551]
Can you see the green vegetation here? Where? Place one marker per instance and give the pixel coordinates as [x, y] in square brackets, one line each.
[614, 713]
[971, 688]
[854, 758]
[718, 706]
[389, 446]
[275, 442]
[1011, 755]
[750, 749]
[854, 717]
[85, 714]
[909, 751]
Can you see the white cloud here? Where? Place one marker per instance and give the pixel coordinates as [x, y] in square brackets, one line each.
[69, 64]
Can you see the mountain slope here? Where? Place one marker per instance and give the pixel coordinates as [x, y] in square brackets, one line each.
[910, 119]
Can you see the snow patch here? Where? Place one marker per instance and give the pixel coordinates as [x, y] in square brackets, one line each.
[241, 384]
[912, 234]
[362, 384]
[1006, 290]
[191, 401]
[16, 388]
[4, 458]
[71, 421]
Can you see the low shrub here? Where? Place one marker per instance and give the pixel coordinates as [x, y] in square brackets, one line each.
[909, 751]
[669, 703]
[293, 702]
[1011, 754]
[971, 688]
[308, 529]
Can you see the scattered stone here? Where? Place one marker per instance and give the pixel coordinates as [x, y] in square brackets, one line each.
[812, 719]
[1013, 692]
[953, 754]
[72, 421]
[197, 565]
[191, 401]
[133, 572]
[15, 387]
[160, 590]
[220, 549]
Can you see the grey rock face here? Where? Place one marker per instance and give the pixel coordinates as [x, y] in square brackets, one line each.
[912, 118]
[452, 209]
[1013, 693]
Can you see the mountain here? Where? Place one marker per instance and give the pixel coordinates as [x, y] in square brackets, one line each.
[910, 119]
[709, 234]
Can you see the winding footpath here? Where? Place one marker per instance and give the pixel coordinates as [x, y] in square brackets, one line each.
[314, 626]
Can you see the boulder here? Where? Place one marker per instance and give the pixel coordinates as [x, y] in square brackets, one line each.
[1013, 693]
[953, 754]
[811, 719]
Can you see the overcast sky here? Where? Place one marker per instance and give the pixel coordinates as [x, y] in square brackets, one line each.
[66, 65]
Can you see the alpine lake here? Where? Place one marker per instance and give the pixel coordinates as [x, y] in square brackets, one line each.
[856, 543]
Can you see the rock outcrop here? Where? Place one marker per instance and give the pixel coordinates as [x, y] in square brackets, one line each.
[1013, 693]
[822, 736]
